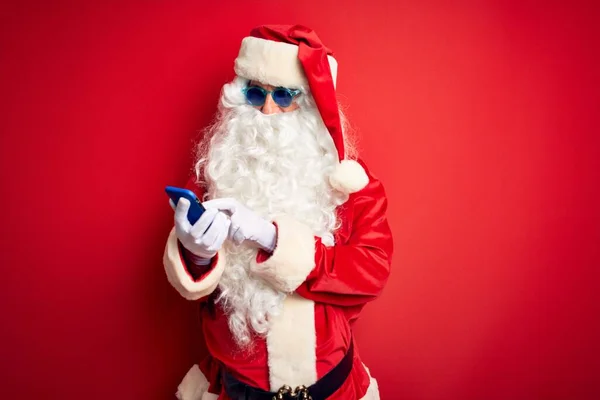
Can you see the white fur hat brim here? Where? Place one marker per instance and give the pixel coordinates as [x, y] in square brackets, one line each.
[273, 63]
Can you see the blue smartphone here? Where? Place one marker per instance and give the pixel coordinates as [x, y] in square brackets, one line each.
[196, 209]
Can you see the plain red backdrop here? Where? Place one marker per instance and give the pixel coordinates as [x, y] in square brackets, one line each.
[481, 118]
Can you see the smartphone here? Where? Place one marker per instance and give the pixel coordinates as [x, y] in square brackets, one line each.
[196, 208]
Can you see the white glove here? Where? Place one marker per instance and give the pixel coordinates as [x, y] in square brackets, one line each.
[245, 223]
[200, 239]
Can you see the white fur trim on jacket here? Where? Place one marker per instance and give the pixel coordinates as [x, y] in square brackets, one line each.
[291, 344]
[273, 63]
[373, 390]
[194, 386]
[293, 257]
[181, 279]
[349, 177]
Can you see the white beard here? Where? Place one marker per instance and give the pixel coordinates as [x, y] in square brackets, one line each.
[276, 165]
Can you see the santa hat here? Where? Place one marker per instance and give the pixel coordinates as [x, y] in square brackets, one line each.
[293, 56]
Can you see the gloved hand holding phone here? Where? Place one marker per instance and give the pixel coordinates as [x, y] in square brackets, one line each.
[205, 237]
[203, 227]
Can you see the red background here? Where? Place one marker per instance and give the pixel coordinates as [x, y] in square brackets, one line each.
[480, 118]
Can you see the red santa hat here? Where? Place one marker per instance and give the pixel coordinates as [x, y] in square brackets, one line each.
[294, 56]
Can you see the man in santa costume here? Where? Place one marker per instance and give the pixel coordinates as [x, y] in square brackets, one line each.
[294, 241]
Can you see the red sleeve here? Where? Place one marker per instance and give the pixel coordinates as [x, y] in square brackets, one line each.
[211, 369]
[197, 272]
[354, 271]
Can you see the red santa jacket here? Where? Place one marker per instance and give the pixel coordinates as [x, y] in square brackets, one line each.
[327, 286]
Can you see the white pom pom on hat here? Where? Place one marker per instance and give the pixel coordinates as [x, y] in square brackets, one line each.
[349, 177]
[293, 55]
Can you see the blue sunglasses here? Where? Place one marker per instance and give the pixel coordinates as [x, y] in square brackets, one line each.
[283, 97]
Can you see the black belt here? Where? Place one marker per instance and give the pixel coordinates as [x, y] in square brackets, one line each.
[320, 390]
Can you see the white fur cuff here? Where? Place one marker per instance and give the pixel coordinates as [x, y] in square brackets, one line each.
[293, 258]
[180, 278]
[373, 390]
[194, 386]
[273, 63]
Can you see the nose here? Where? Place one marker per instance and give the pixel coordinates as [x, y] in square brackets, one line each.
[270, 107]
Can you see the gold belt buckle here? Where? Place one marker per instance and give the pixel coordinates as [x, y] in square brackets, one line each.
[300, 393]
